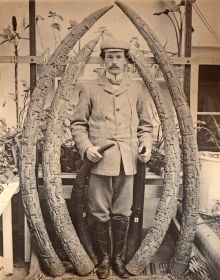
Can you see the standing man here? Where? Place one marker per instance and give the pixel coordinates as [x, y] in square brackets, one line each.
[112, 109]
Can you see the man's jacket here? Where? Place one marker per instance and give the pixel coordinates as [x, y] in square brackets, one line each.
[104, 115]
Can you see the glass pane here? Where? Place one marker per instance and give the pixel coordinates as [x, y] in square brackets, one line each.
[209, 88]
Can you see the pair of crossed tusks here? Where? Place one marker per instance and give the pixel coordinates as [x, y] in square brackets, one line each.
[51, 163]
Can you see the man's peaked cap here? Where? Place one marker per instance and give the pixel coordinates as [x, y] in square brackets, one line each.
[114, 44]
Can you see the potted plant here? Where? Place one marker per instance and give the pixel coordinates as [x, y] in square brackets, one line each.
[70, 160]
[157, 160]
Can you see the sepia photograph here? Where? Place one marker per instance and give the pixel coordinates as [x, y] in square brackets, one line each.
[109, 139]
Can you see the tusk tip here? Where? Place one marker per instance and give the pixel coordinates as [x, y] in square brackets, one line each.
[108, 7]
[119, 3]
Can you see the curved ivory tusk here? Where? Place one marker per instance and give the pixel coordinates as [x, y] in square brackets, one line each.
[189, 146]
[168, 199]
[49, 258]
[52, 170]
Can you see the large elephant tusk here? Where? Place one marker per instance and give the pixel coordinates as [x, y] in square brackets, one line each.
[51, 165]
[45, 250]
[168, 199]
[190, 151]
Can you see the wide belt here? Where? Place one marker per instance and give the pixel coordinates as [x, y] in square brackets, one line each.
[103, 134]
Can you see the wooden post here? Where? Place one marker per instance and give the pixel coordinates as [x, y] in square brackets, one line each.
[32, 35]
[33, 79]
[188, 45]
[5, 210]
[194, 84]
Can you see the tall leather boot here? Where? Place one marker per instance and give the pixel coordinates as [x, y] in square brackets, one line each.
[104, 241]
[119, 230]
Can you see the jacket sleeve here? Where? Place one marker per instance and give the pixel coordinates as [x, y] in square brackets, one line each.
[80, 121]
[145, 127]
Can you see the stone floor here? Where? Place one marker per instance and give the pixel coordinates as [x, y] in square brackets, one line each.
[20, 272]
[154, 271]
[158, 266]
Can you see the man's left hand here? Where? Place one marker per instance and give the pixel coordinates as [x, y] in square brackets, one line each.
[144, 157]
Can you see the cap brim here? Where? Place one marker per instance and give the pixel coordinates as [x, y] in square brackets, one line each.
[113, 50]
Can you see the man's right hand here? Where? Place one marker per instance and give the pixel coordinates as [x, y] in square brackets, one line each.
[93, 154]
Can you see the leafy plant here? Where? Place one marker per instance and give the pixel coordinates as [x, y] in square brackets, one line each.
[69, 153]
[56, 26]
[208, 133]
[103, 32]
[176, 17]
[13, 35]
[157, 160]
[9, 149]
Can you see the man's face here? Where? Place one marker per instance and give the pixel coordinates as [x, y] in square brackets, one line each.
[115, 61]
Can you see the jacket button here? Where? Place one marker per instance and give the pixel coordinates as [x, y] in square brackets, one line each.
[117, 110]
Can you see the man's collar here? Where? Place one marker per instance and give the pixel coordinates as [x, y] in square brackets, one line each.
[118, 77]
[103, 81]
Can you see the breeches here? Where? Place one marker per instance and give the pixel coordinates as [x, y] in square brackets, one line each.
[110, 196]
